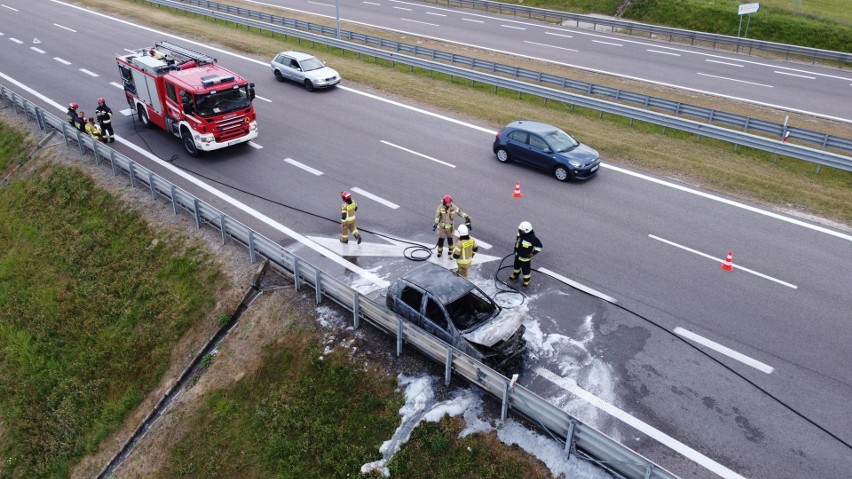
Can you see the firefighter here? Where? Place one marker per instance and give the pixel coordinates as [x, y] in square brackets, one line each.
[464, 250]
[104, 115]
[347, 218]
[81, 121]
[71, 115]
[93, 130]
[444, 223]
[526, 246]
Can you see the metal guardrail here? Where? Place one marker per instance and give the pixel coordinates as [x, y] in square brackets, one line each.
[653, 31]
[774, 130]
[266, 22]
[577, 436]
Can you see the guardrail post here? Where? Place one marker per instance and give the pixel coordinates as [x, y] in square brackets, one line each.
[197, 213]
[174, 198]
[448, 367]
[112, 162]
[40, 119]
[569, 439]
[356, 310]
[251, 246]
[80, 142]
[318, 286]
[151, 184]
[222, 227]
[648, 471]
[296, 282]
[132, 174]
[504, 409]
[398, 337]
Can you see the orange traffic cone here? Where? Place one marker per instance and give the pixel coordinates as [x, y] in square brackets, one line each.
[728, 265]
[517, 193]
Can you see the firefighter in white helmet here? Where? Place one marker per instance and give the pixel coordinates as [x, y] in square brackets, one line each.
[347, 218]
[526, 246]
[464, 250]
[444, 222]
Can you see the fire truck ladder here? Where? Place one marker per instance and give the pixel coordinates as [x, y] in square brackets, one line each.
[183, 55]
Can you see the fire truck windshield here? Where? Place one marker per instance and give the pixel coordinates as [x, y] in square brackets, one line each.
[222, 101]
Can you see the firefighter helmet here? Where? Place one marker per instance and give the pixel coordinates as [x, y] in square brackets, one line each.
[73, 106]
[345, 195]
[101, 101]
[448, 199]
[463, 230]
[525, 227]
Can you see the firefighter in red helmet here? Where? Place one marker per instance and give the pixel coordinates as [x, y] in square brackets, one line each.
[444, 222]
[72, 116]
[347, 218]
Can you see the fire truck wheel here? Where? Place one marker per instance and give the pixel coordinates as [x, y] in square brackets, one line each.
[309, 86]
[279, 76]
[143, 118]
[188, 143]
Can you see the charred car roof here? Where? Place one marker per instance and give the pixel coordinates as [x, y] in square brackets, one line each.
[444, 284]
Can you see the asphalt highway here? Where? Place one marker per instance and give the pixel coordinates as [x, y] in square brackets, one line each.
[780, 320]
[803, 88]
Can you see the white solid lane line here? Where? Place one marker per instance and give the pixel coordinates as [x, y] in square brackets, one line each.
[734, 79]
[721, 260]
[64, 27]
[418, 154]
[87, 72]
[10, 8]
[583, 288]
[723, 63]
[64, 62]
[303, 166]
[551, 46]
[664, 53]
[378, 283]
[377, 199]
[724, 350]
[571, 386]
[795, 75]
[37, 50]
[513, 27]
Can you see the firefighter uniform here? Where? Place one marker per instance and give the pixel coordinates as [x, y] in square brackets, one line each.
[527, 245]
[464, 251]
[104, 116]
[93, 130]
[71, 116]
[444, 222]
[347, 218]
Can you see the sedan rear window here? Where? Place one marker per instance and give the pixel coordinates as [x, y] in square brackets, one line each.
[470, 310]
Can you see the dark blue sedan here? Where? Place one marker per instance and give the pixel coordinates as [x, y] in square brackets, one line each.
[548, 148]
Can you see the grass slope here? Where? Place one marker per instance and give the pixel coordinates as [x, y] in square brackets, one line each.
[91, 303]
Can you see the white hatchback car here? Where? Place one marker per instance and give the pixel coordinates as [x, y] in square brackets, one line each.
[304, 69]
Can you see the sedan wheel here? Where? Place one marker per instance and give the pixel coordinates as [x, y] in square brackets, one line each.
[309, 86]
[560, 173]
[279, 76]
[502, 155]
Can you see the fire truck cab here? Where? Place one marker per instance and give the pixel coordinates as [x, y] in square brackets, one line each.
[186, 93]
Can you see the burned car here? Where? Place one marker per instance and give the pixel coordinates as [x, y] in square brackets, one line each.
[453, 309]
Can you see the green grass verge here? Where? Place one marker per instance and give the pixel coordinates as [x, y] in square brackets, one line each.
[14, 144]
[90, 308]
[825, 24]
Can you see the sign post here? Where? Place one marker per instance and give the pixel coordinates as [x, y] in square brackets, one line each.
[746, 9]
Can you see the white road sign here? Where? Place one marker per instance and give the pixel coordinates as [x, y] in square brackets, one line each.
[748, 8]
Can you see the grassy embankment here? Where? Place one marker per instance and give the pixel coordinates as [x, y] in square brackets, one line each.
[788, 185]
[92, 302]
[90, 307]
[825, 24]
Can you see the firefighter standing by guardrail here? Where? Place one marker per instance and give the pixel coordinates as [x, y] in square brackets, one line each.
[104, 116]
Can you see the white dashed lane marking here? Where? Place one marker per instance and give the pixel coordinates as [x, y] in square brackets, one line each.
[685, 333]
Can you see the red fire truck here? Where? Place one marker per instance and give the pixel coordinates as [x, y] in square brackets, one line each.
[188, 94]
